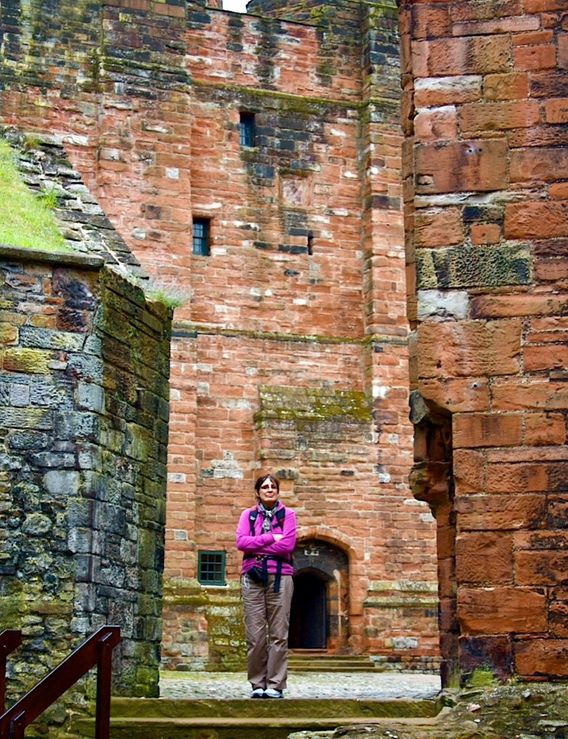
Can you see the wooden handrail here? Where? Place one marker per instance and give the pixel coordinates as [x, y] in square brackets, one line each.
[96, 650]
[10, 639]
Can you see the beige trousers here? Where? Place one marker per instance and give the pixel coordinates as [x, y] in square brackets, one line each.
[267, 619]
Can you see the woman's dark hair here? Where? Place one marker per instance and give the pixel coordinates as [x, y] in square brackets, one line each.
[260, 480]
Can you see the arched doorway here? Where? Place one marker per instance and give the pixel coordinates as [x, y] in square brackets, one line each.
[320, 606]
[309, 619]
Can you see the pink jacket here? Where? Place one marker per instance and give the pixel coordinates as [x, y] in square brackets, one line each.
[260, 543]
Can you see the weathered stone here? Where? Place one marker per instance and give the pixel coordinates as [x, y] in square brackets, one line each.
[36, 524]
[487, 266]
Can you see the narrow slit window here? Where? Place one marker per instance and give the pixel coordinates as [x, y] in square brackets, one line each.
[310, 243]
[211, 568]
[201, 233]
[247, 129]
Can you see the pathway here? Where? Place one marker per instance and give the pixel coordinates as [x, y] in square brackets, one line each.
[332, 685]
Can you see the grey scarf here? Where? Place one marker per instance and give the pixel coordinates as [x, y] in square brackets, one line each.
[268, 514]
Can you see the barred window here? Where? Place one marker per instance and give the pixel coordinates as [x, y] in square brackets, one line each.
[211, 568]
[201, 236]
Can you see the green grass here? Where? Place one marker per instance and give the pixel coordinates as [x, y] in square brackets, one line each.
[26, 220]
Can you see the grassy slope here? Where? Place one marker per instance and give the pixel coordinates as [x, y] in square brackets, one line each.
[25, 219]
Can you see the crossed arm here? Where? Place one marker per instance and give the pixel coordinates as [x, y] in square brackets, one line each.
[269, 543]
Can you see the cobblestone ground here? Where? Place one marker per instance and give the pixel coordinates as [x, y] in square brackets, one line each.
[362, 685]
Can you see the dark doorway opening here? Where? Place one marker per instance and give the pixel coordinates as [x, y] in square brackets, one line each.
[309, 623]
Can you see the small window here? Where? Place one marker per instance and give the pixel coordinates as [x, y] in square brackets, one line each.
[247, 129]
[211, 568]
[201, 236]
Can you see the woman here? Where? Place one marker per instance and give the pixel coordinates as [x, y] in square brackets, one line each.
[266, 535]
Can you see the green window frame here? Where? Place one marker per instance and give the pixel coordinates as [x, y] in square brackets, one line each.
[211, 566]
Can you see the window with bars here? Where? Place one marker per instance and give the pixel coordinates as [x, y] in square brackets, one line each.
[211, 568]
[247, 129]
[201, 229]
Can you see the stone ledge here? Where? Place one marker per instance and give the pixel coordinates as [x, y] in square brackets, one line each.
[63, 259]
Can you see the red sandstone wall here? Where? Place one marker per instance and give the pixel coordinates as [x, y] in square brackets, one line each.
[486, 112]
[158, 139]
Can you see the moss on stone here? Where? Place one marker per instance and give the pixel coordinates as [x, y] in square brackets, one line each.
[482, 678]
[32, 361]
[474, 266]
[303, 405]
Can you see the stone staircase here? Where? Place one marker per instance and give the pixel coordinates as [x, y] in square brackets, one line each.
[159, 718]
[312, 660]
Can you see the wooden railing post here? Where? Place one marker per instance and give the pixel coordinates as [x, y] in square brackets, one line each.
[104, 678]
[18, 726]
[94, 651]
[10, 639]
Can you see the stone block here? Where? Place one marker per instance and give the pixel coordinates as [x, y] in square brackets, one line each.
[40, 338]
[476, 165]
[447, 90]
[501, 512]
[33, 361]
[23, 418]
[19, 394]
[89, 397]
[475, 118]
[473, 55]
[457, 394]
[439, 227]
[478, 266]
[501, 610]
[36, 524]
[520, 477]
[59, 460]
[485, 558]
[536, 219]
[469, 348]
[507, 86]
[558, 619]
[62, 482]
[475, 430]
[539, 164]
[541, 568]
[487, 652]
[541, 657]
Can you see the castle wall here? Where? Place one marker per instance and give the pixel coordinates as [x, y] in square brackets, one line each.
[485, 88]
[304, 286]
[84, 414]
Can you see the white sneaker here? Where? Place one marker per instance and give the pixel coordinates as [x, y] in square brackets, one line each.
[257, 693]
[273, 693]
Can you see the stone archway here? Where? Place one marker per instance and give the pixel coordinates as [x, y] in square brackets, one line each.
[319, 617]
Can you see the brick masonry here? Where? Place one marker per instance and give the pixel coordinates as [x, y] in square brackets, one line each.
[306, 229]
[305, 287]
[485, 86]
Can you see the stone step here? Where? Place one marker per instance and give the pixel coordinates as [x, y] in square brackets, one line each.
[331, 667]
[323, 662]
[158, 718]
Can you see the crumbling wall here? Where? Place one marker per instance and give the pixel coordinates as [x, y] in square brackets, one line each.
[85, 363]
[84, 430]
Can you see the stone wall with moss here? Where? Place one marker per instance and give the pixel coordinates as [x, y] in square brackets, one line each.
[84, 404]
[203, 627]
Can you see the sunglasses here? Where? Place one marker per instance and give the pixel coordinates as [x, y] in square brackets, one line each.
[266, 485]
